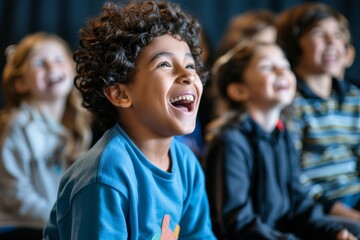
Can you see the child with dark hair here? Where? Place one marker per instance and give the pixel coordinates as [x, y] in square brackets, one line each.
[253, 25]
[325, 122]
[252, 170]
[139, 72]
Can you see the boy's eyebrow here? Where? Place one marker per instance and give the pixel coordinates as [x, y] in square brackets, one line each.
[167, 54]
[160, 54]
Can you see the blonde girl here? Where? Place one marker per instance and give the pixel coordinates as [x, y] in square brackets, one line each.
[43, 129]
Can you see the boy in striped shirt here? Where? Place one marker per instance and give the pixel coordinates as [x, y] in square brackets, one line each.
[325, 118]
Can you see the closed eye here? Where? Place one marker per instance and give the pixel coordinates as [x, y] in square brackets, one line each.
[59, 59]
[317, 32]
[265, 67]
[339, 35]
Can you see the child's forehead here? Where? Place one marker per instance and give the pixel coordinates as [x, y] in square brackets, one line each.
[327, 20]
[331, 25]
[328, 23]
[48, 48]
[165, 43]
[267, 52]
[169, 38]
[46, 44]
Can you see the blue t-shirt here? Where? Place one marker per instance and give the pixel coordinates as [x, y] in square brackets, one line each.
[114, 192]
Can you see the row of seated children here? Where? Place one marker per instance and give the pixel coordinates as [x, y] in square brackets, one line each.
[146, 93]
[252, 170]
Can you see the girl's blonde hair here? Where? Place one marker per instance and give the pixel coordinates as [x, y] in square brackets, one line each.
[76, 119]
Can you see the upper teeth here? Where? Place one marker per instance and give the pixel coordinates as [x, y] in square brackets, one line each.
[183, 97]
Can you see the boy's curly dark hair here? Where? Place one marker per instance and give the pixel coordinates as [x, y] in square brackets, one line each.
[111, 42]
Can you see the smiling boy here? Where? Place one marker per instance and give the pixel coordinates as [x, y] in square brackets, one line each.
[137, 182]
[324, 123]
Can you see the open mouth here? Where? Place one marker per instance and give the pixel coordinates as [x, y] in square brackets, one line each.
[183, 102]
[329, 56]
[281, 85]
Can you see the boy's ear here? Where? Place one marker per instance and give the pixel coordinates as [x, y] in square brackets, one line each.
[117, 95]
[350, 55]
[237, 92]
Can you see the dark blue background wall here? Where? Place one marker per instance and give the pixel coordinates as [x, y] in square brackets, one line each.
[65, 17]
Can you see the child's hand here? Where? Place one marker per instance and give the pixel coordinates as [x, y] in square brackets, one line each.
[345, 235]
[342, 210]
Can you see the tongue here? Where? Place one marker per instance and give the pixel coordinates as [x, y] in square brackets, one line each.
[182, 108]
[181, 105]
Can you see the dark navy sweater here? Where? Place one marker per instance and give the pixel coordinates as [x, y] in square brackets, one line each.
[254, 188]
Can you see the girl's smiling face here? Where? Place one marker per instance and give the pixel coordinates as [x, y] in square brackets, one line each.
[268, 79]
[165, 90]
[49, 72]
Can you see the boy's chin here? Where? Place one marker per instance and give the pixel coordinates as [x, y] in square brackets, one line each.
[188, 130]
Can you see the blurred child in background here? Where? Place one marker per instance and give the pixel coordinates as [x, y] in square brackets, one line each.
[42, 131]
[325, 116]
[255, 25]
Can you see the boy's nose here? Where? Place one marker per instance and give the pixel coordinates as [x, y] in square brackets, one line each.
[330, 38]
[187, 80]
[186, 77]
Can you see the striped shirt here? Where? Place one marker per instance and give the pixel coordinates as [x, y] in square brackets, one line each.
[327, 134]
